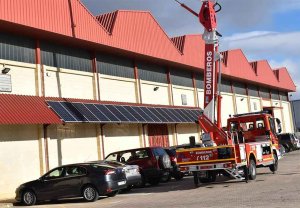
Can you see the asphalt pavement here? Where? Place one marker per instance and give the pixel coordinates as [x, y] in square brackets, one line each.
[268, 190]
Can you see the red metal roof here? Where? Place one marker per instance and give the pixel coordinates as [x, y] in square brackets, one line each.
[132, 31]
[18, 109]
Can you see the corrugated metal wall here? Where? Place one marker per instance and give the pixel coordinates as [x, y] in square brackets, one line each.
[253, 91]
[17, 48]
[239, 88]
[296, 113]
[153, 73]
[115, 66]
[181, 77]
[226, 86]
[274, 94]
[65, 57]
[264, 93]
[199, 77]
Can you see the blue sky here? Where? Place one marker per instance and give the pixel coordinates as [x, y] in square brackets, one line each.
[264, 29]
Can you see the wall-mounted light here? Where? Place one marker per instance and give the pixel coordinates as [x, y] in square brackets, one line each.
[155, 88]
[5, 70]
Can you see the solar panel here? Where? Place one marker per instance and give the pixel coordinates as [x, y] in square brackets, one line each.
[126, 114]
[85, 112]
[146, 117]
[166, 115]
[61, 111]
[117, 113]
[181, 118]
[100, 116]
[196, 113]
[133, 112]
[152, 115]
[186, 115]
[75, 113]
[156, 116]
[172, 113]
[95, 113]
[104, 110]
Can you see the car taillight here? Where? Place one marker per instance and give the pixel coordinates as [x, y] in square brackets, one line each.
[109, 172]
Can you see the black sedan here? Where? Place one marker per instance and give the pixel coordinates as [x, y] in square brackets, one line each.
[87, 180]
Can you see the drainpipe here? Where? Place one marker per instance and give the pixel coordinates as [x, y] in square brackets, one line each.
[102, 140]
[45, 130]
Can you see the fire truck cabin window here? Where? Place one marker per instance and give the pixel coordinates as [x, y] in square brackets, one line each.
[260, 123]
[247, 126]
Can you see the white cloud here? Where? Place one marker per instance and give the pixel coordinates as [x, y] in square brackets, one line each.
[280, 49]
[265, 44]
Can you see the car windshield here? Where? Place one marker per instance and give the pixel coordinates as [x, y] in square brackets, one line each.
[124, 157]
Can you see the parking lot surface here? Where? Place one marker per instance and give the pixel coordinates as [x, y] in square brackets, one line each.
[268, 190]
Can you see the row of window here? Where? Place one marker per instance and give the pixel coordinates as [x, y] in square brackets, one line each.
[23, 50]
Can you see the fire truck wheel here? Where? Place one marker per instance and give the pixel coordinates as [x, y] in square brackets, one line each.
[274, 166]
[211, 177]
[196, 179]
[252, 170]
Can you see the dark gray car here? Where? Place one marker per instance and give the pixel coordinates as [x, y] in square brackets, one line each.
[87, 180]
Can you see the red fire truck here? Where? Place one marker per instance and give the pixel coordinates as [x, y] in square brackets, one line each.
[249, 141]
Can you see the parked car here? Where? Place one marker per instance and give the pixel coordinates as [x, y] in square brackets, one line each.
[175, 171]
[154, 162]
[133, 176]
[288, 141]
[297, 137]
[87, 180]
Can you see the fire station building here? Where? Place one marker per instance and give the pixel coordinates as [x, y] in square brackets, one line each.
[75, 87]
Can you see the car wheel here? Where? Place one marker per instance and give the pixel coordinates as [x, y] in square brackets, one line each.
[154, 181]
[178, 176]
[112, 194]
[211, 177]
[274, 166]
[252, 170]
[90, 194]
[128, 188]
[164, 161]
[166, 177]
[28, 198]
[196, 178]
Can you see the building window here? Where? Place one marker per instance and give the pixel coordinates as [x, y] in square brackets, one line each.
[226, 86]
[17, 48]
[199, 80]
[283, 96]
[65, 57]
[264, 93]
[153, 73]
[181, 78]
[253, 91]
[115, 66]
[183, 99]
[239, 88]
[274, 95]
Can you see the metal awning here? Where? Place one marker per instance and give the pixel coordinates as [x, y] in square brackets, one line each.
[72, 112]
[19, 109]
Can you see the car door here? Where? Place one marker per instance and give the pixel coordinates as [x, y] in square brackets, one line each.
[50, 183]
[73, 180]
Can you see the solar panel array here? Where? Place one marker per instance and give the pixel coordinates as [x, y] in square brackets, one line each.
[100, 113]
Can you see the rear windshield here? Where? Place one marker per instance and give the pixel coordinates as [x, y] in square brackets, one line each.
[128, 156]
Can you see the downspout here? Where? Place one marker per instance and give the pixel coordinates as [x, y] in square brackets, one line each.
[45, 130]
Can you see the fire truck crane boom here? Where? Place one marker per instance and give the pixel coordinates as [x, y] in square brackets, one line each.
[207, 17]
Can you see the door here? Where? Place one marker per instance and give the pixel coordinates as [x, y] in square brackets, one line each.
[49, 186]
[158, 135]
